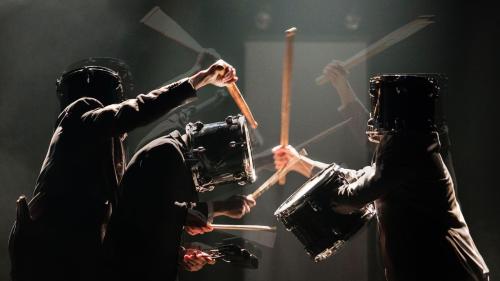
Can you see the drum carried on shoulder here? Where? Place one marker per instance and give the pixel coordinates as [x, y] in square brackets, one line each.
[308, 215]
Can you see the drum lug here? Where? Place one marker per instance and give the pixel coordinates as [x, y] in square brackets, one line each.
[239, 178]
[230, 120]
[198, 125]
[200, 149]
[233, 144]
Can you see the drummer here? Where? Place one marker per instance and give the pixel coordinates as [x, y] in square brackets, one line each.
[158, 199]
[423, 234]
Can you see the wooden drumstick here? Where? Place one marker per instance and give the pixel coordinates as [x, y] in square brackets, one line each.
[390, 39]
[241, 103]
[285, 95]
[275, 177]
[159, 21]
[249, 227]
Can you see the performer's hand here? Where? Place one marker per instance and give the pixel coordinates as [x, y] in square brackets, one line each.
[283, 155]
[219, 74]
[234, 207]
[195, 259]
[195, 224]
[336, 73]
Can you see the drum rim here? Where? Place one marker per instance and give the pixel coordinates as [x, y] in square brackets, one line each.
[72, 72]
[249, 168]
[280, 211]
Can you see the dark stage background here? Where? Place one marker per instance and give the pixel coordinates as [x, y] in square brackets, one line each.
[40, 38]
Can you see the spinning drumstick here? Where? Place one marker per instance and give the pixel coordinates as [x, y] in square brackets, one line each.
[242, 104]
[159, 21]
[390, 39]
[249, 227]
[275, 177]
[285, 95]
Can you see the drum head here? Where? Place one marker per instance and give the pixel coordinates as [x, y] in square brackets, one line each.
[307, 188]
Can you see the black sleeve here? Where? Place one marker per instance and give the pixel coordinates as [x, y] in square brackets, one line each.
[372, 182]
[119, 118]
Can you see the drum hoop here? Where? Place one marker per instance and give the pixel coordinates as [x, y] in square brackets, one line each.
[248, 161]
[72, 72]
[281, 211]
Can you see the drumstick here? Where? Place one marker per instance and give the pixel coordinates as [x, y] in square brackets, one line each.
[159, 21]
[390, 39]
[275, 177]
[285, 95]
[249, 227]
[241, 103]
[324, 133]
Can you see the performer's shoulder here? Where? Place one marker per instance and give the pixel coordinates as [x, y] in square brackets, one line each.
[163, 145]
[80, 106]
[85, 104]
[77, 108]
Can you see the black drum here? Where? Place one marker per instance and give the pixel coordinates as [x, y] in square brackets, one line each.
[308, 215]
[98, 82]
[220, 153]
[401, 102]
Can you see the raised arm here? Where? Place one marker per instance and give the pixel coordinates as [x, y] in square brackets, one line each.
[351, 106]
[305, 166]
[123, 117]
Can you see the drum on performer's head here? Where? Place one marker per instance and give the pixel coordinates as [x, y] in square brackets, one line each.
[220, 153]
[308, 214]
[101, 83]
[405, 102]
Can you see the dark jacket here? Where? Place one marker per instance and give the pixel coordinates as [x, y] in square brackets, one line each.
[359, 118]
[78, 183]
[423, 234]
[145, 229]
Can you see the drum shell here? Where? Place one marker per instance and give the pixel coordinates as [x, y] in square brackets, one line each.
[322, 230]
[401, 102]
[220, 152]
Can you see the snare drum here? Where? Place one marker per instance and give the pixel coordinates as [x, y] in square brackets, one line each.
[401, 102]
[220, 153]
[308, 215]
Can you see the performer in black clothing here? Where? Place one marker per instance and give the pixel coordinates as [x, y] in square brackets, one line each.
[58, 237]
[157, 193]
[423, 234]
[352, 107]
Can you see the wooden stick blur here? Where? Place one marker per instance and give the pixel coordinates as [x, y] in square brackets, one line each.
[275, 177]
[249, 227]
[242, 105]
[285, 95]
[382, 44]
[161, 22]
